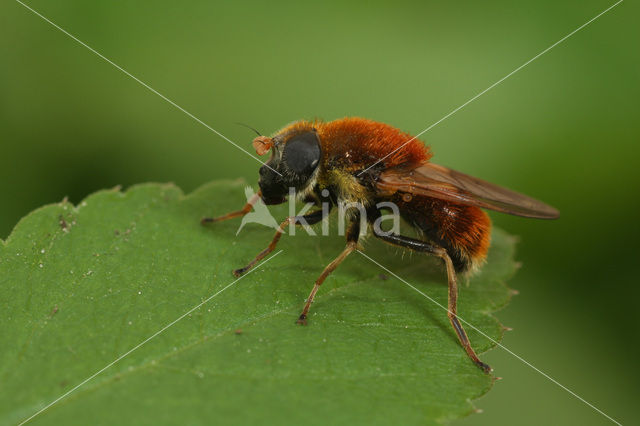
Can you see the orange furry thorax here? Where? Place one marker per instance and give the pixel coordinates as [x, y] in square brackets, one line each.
[359, 143]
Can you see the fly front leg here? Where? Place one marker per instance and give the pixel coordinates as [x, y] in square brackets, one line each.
[353, 234]
[243, 211]
[452, 310]
[308, 219]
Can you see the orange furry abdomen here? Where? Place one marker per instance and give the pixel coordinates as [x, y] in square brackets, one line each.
[464, 231]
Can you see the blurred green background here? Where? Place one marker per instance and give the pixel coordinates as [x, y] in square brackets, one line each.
[564, 129]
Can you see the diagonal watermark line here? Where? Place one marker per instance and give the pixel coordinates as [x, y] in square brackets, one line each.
[145, 341]
[494, 84]
[494, 341]
[145, 85]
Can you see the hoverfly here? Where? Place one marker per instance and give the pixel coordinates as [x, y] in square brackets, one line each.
[354, 160]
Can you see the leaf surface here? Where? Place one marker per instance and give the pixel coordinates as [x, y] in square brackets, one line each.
[82, 285]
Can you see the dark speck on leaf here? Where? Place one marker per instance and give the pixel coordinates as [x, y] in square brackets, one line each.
[238, 331]
[383, 277]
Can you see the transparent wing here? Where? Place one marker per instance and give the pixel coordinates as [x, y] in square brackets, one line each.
[436, 181]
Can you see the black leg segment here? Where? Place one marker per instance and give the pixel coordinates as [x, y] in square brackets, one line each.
[432, 249]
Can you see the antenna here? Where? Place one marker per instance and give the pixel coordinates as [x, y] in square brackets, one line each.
[249, 127]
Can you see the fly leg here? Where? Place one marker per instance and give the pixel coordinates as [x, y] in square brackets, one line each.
[243, 211]
[310, 219]
[434, 250]
[353, 233]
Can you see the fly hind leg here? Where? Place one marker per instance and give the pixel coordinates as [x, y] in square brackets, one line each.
[434, 250]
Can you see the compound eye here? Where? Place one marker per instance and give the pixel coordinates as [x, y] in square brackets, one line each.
[302, 153]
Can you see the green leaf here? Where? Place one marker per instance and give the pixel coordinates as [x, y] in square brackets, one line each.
[80, 286]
